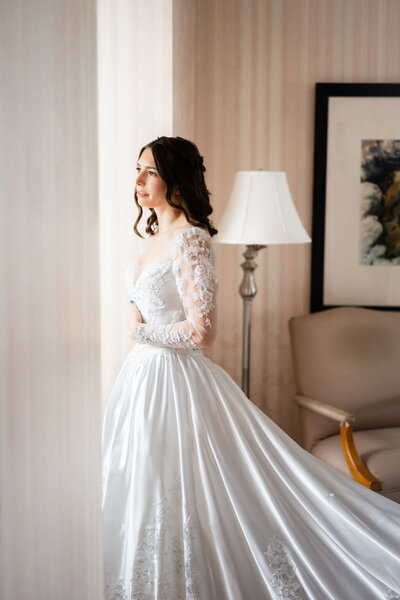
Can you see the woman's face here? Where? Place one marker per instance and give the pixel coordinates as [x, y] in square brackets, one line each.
[150, 188]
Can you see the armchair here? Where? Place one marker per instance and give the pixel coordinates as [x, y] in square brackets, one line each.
[347, 373]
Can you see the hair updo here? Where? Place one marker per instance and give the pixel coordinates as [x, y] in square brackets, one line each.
[181, 167]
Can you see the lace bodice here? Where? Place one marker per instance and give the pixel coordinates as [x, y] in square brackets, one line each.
[176, 298]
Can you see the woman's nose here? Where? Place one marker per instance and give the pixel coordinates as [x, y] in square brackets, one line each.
[139, 178]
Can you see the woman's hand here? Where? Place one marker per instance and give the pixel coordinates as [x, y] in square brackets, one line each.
[134, 318]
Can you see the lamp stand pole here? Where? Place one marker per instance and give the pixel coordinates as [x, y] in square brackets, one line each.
[248, 290]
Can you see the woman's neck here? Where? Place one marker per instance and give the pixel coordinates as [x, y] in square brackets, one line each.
[170, 220]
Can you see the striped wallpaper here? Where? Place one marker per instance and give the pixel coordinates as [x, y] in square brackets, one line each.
[250, 105]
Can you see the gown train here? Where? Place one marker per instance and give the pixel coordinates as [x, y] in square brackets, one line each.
[204, 497]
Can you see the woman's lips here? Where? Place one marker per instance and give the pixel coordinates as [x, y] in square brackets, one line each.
[141, 194]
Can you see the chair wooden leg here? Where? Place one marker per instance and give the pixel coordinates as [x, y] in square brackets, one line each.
[359, 471]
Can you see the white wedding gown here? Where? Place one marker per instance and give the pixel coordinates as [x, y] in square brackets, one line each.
[204, 497]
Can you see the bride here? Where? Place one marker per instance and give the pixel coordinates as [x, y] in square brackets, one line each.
[204, 497]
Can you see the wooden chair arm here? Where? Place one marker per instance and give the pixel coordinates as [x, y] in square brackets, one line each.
[326, 410]
[358, 469]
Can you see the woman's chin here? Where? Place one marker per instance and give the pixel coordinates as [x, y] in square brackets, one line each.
[145, 202]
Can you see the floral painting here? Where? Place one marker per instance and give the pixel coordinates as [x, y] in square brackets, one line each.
[380, 202]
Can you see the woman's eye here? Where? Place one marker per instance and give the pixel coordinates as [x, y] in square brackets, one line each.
[138, 169]
[152, 173]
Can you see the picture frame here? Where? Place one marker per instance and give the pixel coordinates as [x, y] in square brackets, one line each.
[355, 254]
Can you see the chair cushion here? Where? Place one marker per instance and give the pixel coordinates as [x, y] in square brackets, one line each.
[379, 449]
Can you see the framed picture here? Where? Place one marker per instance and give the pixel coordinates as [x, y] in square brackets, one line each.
[356, 196]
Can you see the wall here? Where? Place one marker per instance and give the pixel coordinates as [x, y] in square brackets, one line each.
[50, 326]
[252, 69]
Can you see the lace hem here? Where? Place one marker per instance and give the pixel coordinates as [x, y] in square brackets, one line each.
[118, 592]
[164, 560]
[283, 570]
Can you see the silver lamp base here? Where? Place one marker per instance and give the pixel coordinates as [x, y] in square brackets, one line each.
[248, 290]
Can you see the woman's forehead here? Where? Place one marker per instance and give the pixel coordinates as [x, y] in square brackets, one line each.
[147, 157]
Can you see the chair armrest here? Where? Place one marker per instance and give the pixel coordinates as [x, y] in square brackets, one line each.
[358, 469]
[325, 410]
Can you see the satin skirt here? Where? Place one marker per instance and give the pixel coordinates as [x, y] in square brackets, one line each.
[205, 498]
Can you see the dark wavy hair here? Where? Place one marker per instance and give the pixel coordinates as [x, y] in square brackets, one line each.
[181, 167]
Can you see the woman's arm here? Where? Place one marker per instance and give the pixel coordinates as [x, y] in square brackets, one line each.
[197, 285]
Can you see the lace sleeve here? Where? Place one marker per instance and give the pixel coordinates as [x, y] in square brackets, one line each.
[193, 265]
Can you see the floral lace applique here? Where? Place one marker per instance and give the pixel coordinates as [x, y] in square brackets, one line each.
[190, 578]
[149, 289]
[196, 284]
[164, 559]
[165, 335]
[193, 248]
[118, 592]
[283, 569]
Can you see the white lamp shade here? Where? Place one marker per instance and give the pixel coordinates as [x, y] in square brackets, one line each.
[261, 211]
